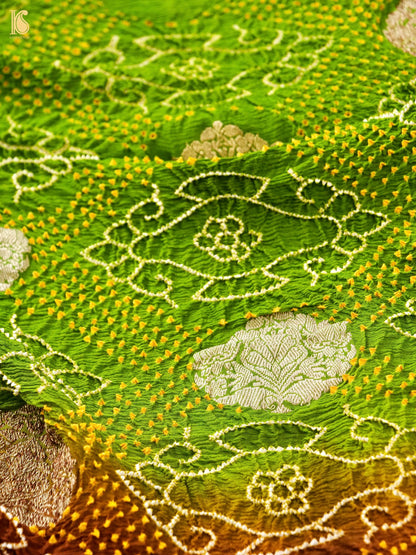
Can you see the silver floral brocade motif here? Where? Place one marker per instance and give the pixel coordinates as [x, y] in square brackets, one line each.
[277, 361]
[400, 26]
[223, 141]
[13, 260]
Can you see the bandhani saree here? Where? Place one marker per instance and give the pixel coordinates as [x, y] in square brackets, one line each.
[207, 304]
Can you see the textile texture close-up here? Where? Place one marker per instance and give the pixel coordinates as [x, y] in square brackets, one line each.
[207, 277]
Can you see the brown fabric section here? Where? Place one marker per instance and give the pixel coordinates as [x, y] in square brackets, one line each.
[36, 468]
[103, 517]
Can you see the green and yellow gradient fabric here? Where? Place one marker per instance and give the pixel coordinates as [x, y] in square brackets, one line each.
[225, 344]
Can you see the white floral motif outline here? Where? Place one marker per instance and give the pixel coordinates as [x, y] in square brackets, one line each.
[271, 496]
[267, 270]
[217, 244]
[191, 63]
[286, 62]
[208, 46]
[65, 154]
[319, 525]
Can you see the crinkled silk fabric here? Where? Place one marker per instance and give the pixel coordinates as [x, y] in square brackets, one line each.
[207, 272]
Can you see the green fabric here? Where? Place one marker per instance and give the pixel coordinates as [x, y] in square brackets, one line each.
[144, 265]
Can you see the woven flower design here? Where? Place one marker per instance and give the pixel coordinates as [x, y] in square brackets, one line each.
[221, 238]
[13, 260]
[223, 141]
[282, 492]
[278, 361]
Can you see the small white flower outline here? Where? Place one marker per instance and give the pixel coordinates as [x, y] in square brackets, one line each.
[220, 240]
[280, 491]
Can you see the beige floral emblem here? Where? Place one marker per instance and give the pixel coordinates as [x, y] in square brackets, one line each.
[13, 260]
[223, 141]
[401, 25]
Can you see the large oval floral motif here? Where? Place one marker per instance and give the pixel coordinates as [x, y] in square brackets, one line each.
[400, 27]
[277, 361]
[234, 243]
[13, 250]
[37, 469]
